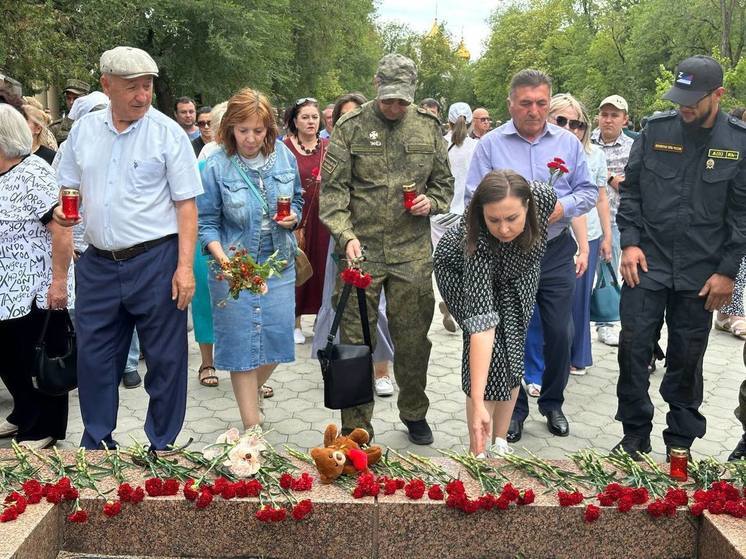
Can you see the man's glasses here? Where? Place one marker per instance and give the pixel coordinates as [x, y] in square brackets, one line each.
[564, 122]
[204, 123]
[484, 119]
[303, 100]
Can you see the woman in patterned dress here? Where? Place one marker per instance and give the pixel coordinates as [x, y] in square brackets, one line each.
[487, 269]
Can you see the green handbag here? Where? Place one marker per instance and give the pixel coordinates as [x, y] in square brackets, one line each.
[606, 295]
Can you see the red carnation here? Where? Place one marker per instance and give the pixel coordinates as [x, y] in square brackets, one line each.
[124, 492]
[32, 487]
[415, 489]
[20, 501]
[564, 170]
[189, 492]
[54, 494]
[9, 514]
[70, 494]
[64, 483]
[510, 492]
[502, 503]
[569, 499]
[389, 486]
[559, 160]
[435, 493]
[553, 165]
[455, 487]
[302, 509]
[204, 499]
[697, 508]
[592, 513]
[170, 487]
[112, 508]
[626, 503]
[279, 514]
[303, 483]
[228, 492]
[137, 495]
[286, 481]
[677, 496]
[154, 486]
[527, 498]
[79, 516]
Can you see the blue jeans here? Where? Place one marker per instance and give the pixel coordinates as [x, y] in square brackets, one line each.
[133, 357]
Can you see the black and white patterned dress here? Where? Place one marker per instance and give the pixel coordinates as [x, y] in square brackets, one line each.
[494, 288]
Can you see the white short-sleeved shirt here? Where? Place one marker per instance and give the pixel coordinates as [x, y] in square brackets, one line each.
[27, 193]
[129, 180]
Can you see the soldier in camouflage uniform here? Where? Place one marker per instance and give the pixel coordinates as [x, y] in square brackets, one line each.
[374, 150]
[73, 89]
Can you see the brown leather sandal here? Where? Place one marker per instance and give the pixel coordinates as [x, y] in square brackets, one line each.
[208, 380]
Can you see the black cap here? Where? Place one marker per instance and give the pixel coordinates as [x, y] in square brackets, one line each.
[696, 77]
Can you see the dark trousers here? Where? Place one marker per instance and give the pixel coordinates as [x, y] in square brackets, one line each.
[36, 414]
[689, 325]
[113, 298]
[554, 299]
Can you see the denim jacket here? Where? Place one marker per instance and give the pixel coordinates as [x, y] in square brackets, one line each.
[229, 212]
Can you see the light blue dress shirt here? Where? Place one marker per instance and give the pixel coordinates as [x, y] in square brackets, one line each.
[505, 148]
[129, 180]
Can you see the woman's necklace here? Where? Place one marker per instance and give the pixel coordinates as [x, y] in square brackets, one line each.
[306, 150]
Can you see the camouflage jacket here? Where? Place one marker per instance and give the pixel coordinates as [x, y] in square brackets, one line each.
[368, 160]
[61, 128]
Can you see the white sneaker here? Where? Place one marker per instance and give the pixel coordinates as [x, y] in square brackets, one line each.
[500, 448]
[578, 372]
[7, 429]
[607, 335]
[38, 444]
[298, 336]
[384, 386]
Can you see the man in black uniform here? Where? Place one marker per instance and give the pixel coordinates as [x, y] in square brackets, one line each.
[682, 220]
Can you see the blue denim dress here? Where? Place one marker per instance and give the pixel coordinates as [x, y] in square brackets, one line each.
[253, 330]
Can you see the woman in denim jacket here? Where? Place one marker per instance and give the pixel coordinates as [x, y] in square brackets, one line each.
[242, 181]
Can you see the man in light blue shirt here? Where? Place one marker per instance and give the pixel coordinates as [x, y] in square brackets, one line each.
[526, 143]
[137, 175]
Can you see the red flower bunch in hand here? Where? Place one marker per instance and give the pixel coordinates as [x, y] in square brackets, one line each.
[243, 273]
[356, 278]
[557, 168]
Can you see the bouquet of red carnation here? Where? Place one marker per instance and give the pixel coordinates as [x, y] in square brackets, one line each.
[557, 168]
[355, 277]
[243, 273]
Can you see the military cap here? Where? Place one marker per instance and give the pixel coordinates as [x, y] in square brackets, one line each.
[128, 63]
[77, 86]
[396, 78]
[696, 77]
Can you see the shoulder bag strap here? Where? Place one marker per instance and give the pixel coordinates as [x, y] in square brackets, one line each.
[364, 317]
[253, 188]
[337, 318]
[43, 335]
[612, 273]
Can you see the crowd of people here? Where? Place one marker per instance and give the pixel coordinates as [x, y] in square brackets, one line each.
[514, 223]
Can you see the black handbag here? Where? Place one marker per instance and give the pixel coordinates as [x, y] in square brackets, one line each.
[347, 369]
[56, 375]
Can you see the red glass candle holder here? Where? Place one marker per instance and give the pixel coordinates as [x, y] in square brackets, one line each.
[71, 203]
[679, 463]
[283, 207]
[410, 193]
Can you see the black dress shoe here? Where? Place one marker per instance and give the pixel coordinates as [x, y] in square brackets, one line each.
[739, 453]
[634, 445]
[557, 423]
[515, 431]
[131, 379]
[419, 431]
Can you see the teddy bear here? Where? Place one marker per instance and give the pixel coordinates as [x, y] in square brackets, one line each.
[344, 455]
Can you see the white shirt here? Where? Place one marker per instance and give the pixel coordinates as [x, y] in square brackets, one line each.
[27, 192]
[460, 158]
[129, 180]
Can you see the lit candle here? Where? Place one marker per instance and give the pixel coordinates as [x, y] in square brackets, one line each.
[71, 203]
[410, 193]
[679, 461]
[283, 207]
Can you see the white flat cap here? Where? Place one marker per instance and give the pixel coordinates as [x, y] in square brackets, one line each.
[128, 63]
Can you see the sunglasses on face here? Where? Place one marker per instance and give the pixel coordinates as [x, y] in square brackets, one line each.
[305, 100]
[564, 122]
[484, 119]
[204, 123]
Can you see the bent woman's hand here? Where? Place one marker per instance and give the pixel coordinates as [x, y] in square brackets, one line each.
[480, 427]
[287, 222]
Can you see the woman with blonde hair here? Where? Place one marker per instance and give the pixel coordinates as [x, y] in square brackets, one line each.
[38, 122]
[242, 182]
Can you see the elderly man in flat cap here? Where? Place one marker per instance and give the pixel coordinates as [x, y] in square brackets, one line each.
[375, 150]
[137, 176]
[73, 89]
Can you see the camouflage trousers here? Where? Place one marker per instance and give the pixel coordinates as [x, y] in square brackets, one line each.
[410, 305]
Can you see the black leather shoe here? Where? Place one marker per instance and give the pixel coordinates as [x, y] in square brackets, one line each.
[515, 431]
[131, 379]
[739, 453]
[419, 431]
[557, 423]
[634, 445]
